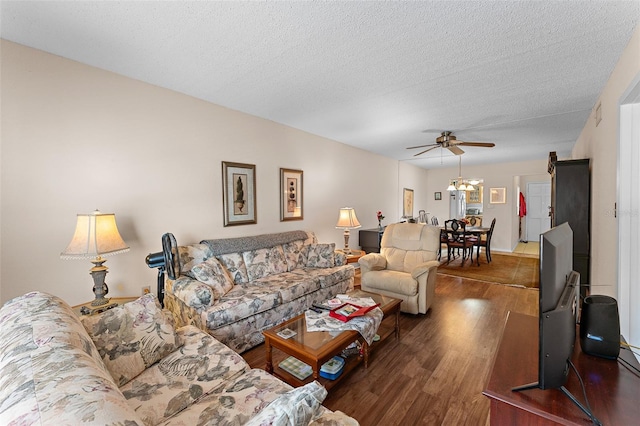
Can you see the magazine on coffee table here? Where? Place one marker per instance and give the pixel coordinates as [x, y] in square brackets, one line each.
[348, 311]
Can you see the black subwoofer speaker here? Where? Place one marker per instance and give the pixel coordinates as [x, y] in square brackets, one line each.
[600, 327]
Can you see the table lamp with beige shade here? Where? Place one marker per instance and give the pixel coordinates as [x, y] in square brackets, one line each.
[96, 235]
[347, 220]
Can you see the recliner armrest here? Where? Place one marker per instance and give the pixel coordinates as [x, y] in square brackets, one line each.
[424, 267]
[372, 262]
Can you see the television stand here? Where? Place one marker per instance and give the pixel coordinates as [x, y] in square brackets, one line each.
[612, 388]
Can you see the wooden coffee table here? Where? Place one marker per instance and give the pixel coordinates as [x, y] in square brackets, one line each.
[317, 347]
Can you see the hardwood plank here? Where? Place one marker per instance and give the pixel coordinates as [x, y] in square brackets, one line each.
[436, 373]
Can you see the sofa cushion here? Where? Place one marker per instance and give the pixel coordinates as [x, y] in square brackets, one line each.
[297, 407]
[234, 263]
[212, 273]
[235, 403]
[241, 302]
[290, 285]
[132, 337]
[320, 255]
[50, 370]
[200, 366]
[264, 262]
[193, 255]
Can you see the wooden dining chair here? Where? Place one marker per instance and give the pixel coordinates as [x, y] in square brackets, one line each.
[458, 239]
[486, 242]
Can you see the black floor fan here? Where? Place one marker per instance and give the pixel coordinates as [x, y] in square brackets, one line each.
[167, 260]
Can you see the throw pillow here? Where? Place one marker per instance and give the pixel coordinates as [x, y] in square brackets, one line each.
[132, 337]
[193, 255]
[297, 407]
[234, 263]
[321, 255]
[212, 273]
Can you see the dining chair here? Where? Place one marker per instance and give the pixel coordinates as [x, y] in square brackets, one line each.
[459, 239]
[475, 221]
[486, 242]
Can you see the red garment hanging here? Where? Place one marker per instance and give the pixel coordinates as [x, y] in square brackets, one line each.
[523, 206]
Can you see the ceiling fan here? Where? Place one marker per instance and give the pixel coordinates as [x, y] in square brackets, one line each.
[447, 140]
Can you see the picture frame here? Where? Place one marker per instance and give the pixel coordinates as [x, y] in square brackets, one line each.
[437, 196]
[239, 193]
[407, 202]
[497, 195]
[291, 195]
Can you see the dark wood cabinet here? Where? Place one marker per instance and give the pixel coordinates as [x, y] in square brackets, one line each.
[571, 202]
[370, 240]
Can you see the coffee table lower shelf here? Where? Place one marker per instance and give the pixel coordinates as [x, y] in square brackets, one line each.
[349, 364]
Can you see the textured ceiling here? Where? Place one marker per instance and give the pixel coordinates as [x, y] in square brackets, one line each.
[374, 75]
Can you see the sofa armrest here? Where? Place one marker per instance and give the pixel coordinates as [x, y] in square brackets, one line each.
[424, 267]
[340, 258]
[372, 262]
[192, 293]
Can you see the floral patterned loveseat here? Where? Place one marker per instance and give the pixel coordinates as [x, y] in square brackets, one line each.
[130, 366]
[235, 288]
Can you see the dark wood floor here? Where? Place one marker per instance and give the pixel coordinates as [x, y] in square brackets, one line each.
[436, 373]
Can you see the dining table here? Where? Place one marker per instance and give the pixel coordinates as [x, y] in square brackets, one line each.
[477, 231]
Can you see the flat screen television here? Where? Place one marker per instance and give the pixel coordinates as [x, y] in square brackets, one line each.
[559, 288]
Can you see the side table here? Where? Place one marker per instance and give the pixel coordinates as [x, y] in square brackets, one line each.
[93, 310]
[353, 258]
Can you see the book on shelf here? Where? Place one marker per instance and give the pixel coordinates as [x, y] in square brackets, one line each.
[296, 368]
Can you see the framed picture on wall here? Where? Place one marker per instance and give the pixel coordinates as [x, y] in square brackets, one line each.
[239, 193]
[407, 202]
[291, 195]
[437, 195]
[497, 195]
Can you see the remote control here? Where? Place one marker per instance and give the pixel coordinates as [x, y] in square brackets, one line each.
[319, 306]
[316, 310]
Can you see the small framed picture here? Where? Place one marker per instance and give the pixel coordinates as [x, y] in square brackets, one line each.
[497, 195]
[291, 195]
[239, 193]
[407, 205]
[437, 195]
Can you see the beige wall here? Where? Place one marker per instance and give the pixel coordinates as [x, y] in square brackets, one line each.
[600, 144]
[76, 138]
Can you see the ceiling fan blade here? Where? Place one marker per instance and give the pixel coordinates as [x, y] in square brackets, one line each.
[483, 144]
[422, 146]
[426, 150]
[455, 150]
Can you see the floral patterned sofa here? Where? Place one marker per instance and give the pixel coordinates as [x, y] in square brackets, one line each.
[235, 288]
[130, 366]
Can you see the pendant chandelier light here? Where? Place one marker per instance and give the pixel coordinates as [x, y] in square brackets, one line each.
[462, 186]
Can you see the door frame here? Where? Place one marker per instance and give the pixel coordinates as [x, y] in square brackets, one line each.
[627, 208]
[527, 216]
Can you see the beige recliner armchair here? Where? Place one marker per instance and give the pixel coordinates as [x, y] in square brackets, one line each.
[406, 266]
